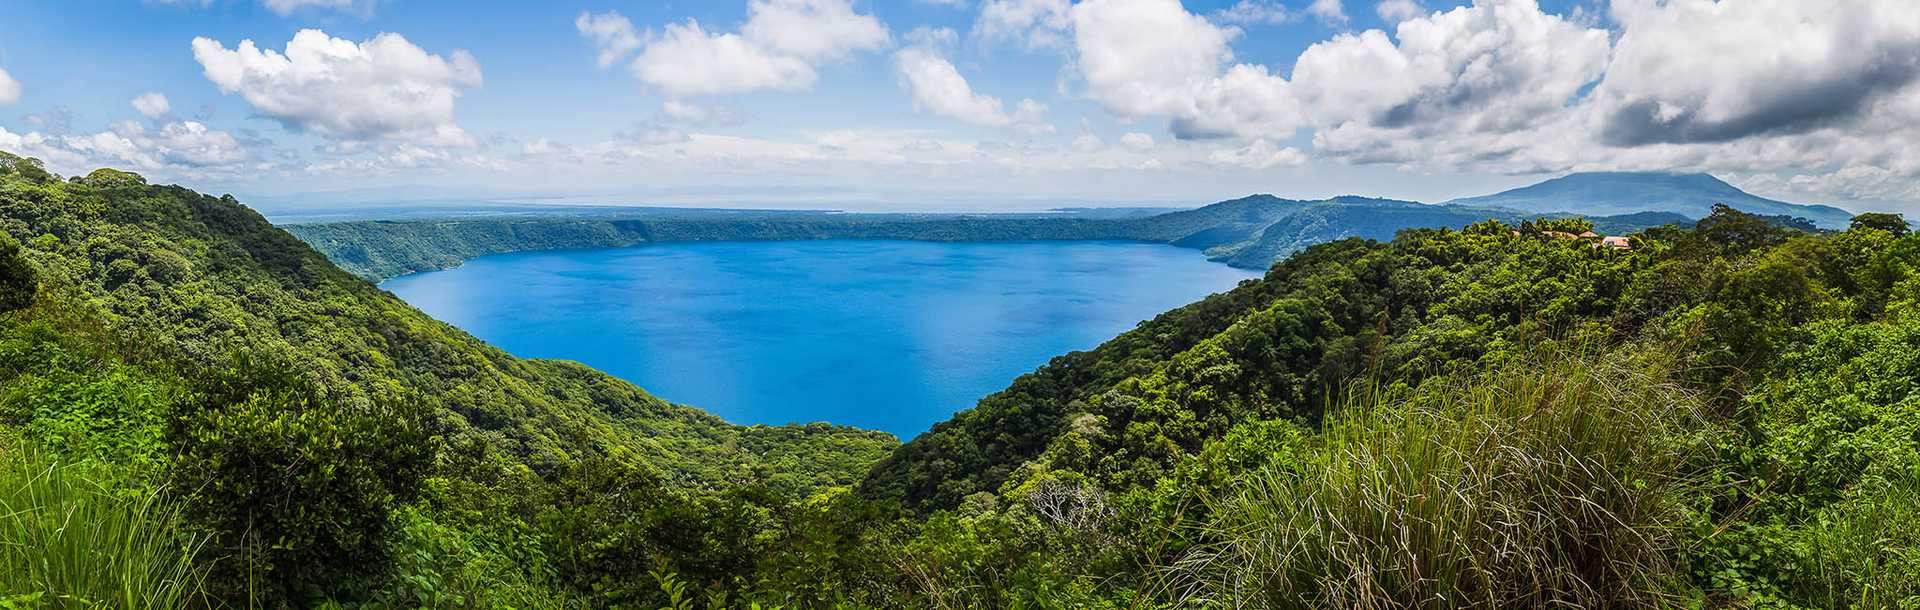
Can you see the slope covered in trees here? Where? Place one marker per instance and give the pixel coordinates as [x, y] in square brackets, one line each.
[1250, 232]
[1495, 416]
[302, 414]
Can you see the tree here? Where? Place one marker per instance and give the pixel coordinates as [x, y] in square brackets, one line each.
[1891, 223]
[28, 168]
[16, 277]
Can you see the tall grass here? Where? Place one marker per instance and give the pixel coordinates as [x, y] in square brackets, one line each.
[1556, 483]
[71, 538]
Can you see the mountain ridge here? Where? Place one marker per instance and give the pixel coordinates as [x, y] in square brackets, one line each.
[1250, 232]
[1615, 193]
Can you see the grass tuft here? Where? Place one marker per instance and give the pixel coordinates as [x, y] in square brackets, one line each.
[71, 538]
[1551, 484]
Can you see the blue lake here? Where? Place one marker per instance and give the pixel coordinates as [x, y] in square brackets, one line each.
[888, 335]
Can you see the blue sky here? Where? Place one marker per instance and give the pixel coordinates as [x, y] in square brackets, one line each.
[922, 104]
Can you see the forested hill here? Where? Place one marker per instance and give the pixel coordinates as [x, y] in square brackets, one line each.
[1250, 232]
[1733, 408]
[197, 411]
[179, 336]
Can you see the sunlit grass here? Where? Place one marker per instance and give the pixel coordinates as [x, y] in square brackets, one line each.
[70, 538]
[1557, 484]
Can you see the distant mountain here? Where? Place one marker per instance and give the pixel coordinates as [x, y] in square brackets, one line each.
[1344, 217]
[1614, 193]
[1251, 232]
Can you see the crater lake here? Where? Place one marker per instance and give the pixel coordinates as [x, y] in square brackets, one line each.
[887, 335]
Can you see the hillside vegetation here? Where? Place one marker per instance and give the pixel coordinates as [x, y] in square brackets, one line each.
[1495, 416]
[303, 417]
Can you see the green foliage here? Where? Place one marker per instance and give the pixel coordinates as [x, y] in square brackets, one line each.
[1541, 484]
[1722, 416]
[17, 282]
[73, 534]
[110, 178]
[298, 491]
[1891, 223]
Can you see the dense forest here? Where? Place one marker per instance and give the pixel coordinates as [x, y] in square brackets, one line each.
[1496, 414]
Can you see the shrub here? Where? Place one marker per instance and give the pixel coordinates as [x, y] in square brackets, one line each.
[297, 491]
[17, 282]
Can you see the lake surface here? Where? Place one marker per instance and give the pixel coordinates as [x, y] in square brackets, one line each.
[888, 335]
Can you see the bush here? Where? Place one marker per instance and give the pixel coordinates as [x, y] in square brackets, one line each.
[297, 491]
[17, 282]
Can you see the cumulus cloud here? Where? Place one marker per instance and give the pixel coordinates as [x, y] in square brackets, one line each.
[1035, 24]
[1253, 12]
[9, 88]
[936, 87]
[178, 149]
[1136, 141]
[287, 7]
[777, 48]
[812, 30]
[1144, 58]
[1497, 67]
[1329, 11]
[1257, 155]
[686, 60]
[152, 105]
[699, 114]
[611, 33]
[1704, 71]
[383, 88]
[1395, 11]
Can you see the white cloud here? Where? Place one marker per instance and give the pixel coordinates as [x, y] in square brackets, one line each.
[1259, 154]
[152, 105]
[611, 33]
[1329, 11]
[777, 49]
[383, 88]
[1136, 141]
[699, 114]
[687, 61]
[9, 88]
[812, 30]
[1396, 11]
[287, 7]
[1253, 12]
[932, 37]
[1703, 71]
[1036, 24]
[1144, 58]
[1497, 67]
[178, 149]
[936, 87]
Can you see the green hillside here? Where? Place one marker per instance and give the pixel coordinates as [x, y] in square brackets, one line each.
[184, 333]
[198, 411]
